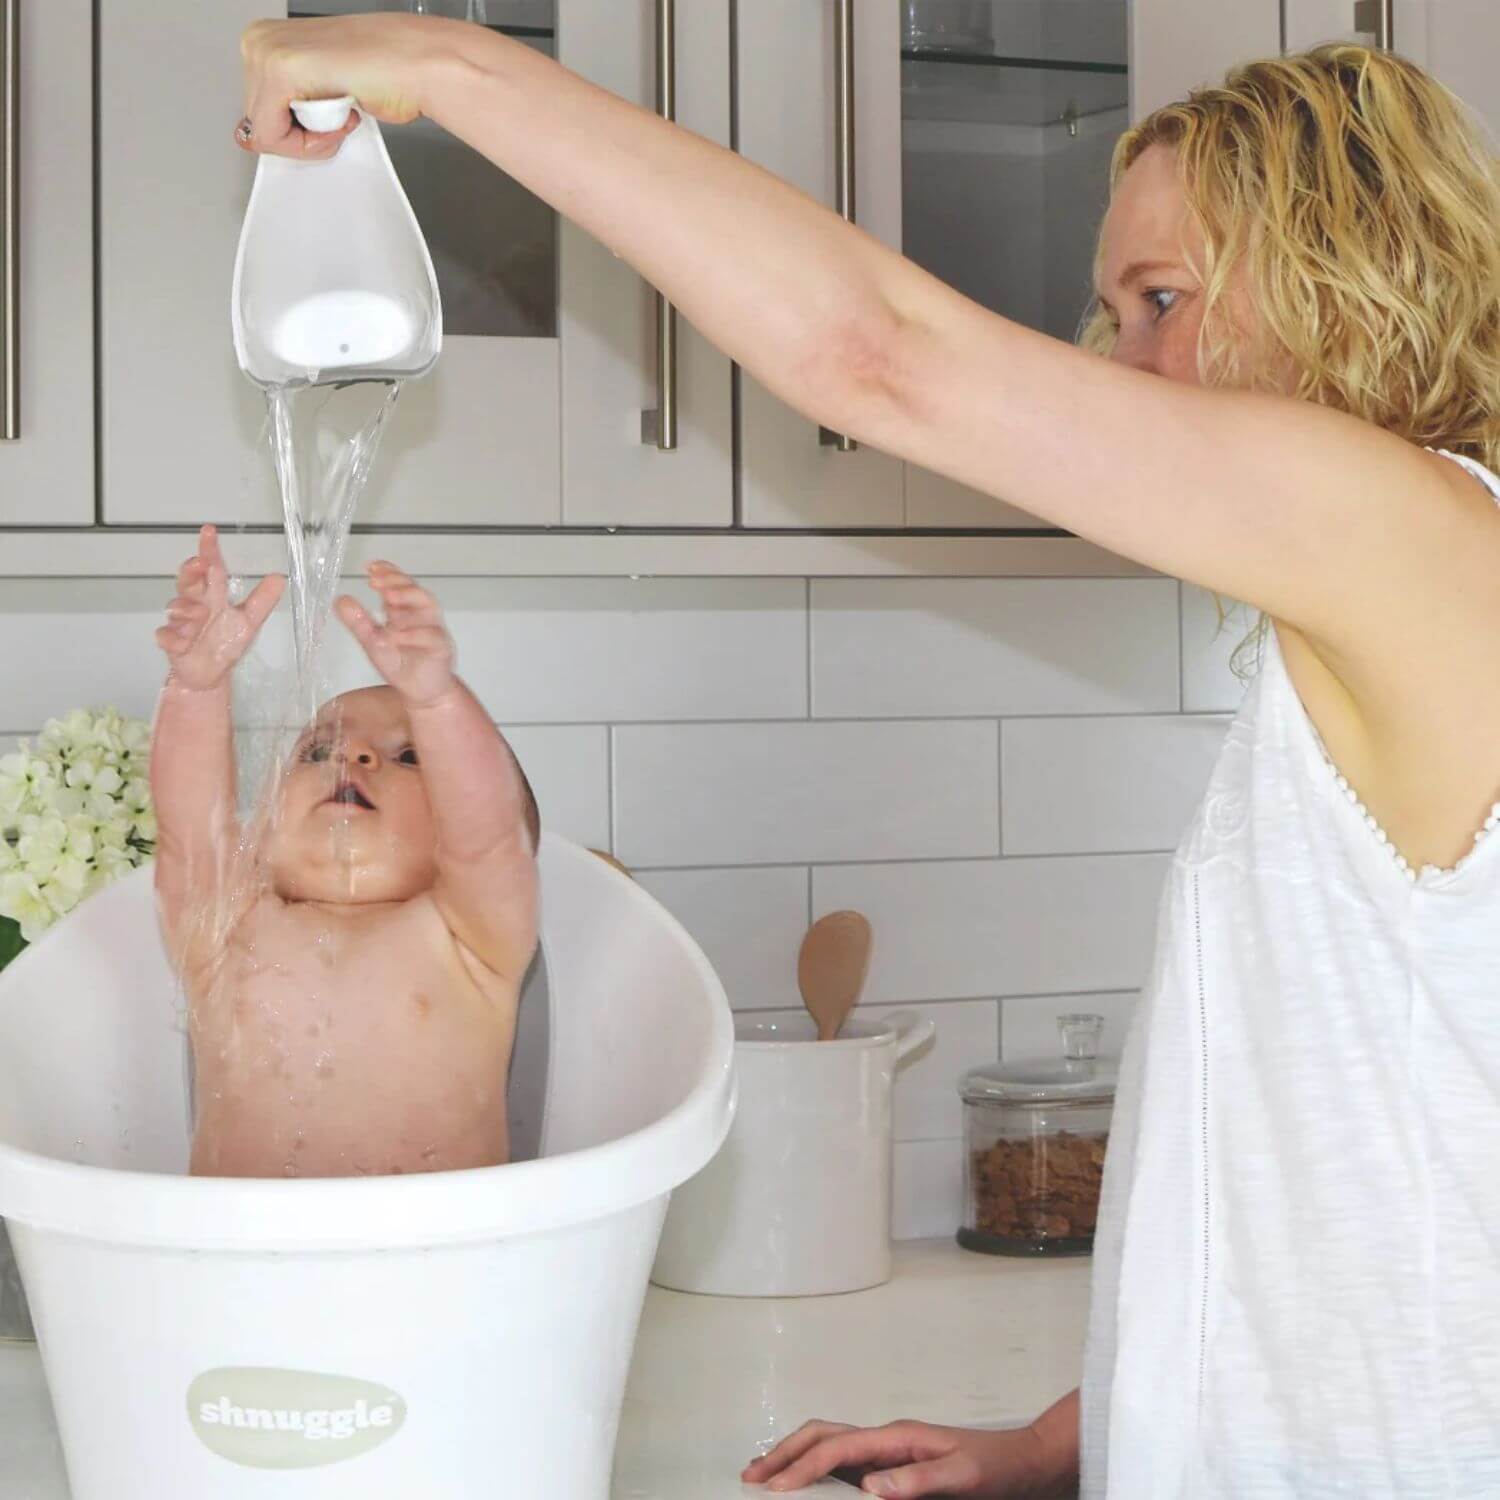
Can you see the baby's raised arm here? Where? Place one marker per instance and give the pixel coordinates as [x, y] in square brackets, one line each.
[482, 811]
[192, 744]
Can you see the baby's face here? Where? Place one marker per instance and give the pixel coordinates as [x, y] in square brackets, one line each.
[353, 824]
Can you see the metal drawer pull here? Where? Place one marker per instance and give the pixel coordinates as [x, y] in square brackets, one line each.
[10, 220]
[659, 425]
[1379, 17]
[843, 151]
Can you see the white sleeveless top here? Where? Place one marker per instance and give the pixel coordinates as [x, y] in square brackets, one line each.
[1297, 1270]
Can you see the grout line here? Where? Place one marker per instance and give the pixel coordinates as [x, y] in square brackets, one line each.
[1000, 784]
[97, 310]
[999, 1000]
[751, 720]
[808, 642]
[609, 786]
[916, 862]
[1181, 652]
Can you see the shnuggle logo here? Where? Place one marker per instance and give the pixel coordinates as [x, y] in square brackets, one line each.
[290, 1419]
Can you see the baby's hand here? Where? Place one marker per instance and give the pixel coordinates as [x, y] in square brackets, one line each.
[205, 634]
[412, 650]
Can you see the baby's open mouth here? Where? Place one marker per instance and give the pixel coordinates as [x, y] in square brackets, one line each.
[350, 795]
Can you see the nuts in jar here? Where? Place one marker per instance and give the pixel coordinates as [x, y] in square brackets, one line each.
[1035, 1139]
[1041, 1188]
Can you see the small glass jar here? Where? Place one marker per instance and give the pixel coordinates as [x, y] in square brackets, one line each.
[1034, 1139]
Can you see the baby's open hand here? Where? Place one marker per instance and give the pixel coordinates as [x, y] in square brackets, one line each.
[205, 634]
[412, 650]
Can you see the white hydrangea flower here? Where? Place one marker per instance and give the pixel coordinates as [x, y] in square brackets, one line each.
[75, 814]
[21, 899]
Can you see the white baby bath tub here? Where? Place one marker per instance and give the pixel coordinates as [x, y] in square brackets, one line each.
[449, 1336]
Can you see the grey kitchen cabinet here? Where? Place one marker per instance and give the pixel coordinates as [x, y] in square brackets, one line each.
[1456, 40]
[534, 413]
[47, 468]
[982, 135]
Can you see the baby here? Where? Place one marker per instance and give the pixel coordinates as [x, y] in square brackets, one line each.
[353, 970]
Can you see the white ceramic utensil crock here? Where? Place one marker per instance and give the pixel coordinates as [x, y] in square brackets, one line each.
[798, 1201]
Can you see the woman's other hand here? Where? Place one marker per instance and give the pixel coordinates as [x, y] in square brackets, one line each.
[913, 1459]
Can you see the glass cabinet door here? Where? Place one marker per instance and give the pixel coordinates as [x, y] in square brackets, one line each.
[1010, 110]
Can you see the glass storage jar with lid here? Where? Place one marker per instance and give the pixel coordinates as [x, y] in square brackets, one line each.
[1034, 1139]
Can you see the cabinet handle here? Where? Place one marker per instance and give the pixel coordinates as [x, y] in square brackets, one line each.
[659, 426]
[1378, 16]
[10, 220]
[843, 152]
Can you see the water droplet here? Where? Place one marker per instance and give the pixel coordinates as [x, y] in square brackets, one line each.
[290, 1169]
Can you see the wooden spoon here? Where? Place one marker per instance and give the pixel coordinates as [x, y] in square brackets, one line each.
[609, 859]
[831, 968]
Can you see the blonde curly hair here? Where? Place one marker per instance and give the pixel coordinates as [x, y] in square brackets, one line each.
[1362, 199]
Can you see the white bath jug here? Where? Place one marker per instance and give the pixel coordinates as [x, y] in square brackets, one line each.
[333, 280]
[798, 1201]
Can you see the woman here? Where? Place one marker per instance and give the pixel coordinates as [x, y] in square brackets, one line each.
[1295, 1280]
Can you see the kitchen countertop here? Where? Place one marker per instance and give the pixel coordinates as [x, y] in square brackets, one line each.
[954, 1337]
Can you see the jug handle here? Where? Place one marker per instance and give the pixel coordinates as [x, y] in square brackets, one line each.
[913, 1030]
[322, 115]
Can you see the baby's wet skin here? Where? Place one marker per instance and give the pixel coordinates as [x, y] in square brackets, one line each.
[365, 1051]
[352, 978]
[346, 1033]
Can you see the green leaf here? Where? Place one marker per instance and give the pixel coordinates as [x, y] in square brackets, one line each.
[11, 941]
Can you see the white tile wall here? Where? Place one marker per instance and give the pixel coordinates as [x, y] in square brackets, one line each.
[749, 922]
[1028, 1024]
[927, 1189]
[1071, 786]
[770, 750]
[568, 768]
[713, 794]
[950, 929]
[992, 646]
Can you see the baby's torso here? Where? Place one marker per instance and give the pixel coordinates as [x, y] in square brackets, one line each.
[362, 1044]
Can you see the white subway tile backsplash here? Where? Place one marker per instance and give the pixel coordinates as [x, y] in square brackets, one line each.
[607, 650]
[1209, 684]
[967, 1036]
[568, 768]
[927, 1190]
[565, 650]
[933, 647]
[1001, 927]
[710, 794]
[1078, 786]
[750, 923]
[1028, 1023]
[73, 645]
[534, 650]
